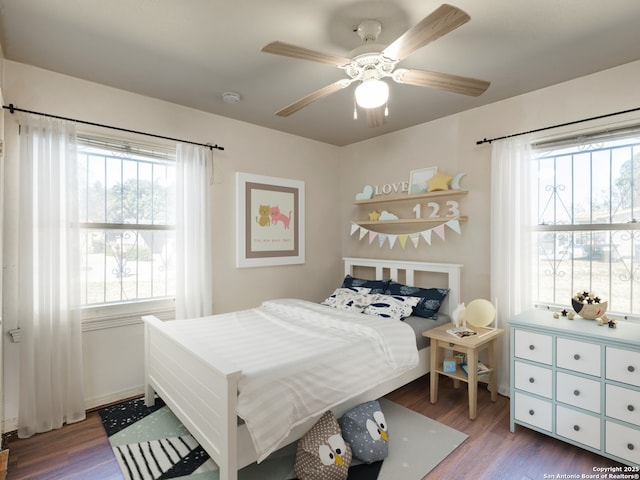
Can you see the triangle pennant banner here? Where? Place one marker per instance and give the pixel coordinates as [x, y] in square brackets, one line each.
[454, 225]
[439, 230]
[415, 237]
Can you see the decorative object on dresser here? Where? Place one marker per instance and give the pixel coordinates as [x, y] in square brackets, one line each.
[590, 307]
[575, 381]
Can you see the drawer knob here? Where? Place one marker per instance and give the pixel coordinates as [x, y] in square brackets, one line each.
[531, 412]
[531, 380]
[576, 428]
[630, 446]
[576, 357]
[576, 393]
[532, 347]
[631, 368]
[631, 408]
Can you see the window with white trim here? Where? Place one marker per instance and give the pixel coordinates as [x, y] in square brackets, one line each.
[127, 224]
[588, 208]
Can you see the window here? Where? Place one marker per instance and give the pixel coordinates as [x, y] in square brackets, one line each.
[127, 223]
[588, 235]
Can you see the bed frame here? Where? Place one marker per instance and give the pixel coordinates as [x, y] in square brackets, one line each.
[203, 394]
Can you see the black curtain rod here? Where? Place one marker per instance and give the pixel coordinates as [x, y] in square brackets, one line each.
[480, 142]
[13, 109]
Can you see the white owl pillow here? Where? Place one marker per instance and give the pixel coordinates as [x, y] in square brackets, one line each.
[322, 453]
[365, 430]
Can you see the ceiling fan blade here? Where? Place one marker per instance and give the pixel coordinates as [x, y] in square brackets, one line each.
[376, 117]
[312, 97]
[441, 81]
[288, 50]
[443, 20]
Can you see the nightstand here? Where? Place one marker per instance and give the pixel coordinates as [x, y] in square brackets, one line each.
[471, 346]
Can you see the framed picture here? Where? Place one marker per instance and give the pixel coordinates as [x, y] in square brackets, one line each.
[270, 221]
[418, 180]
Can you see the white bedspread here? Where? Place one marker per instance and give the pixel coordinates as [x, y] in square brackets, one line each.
[299, 359]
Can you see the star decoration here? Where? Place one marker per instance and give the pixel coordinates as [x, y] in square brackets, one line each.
[439, 181]
[374, 216]
[564, 313]
[596, 300]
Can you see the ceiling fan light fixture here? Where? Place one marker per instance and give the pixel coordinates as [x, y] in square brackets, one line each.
[372, 93]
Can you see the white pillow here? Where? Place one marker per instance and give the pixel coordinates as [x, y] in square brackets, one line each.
[351, 298]
[395, 307]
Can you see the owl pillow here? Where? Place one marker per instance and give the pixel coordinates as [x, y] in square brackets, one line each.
[322, 453]
[365, 430]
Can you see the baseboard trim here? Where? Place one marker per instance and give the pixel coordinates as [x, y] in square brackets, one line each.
[10, 425]
[103, 400]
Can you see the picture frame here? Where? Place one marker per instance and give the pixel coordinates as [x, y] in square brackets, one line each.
[270, 221]
[418, 180]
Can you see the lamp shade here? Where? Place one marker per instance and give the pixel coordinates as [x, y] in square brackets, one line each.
[372, 93]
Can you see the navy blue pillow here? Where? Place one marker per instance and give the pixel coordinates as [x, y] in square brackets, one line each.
[376, 286]
[431, 298]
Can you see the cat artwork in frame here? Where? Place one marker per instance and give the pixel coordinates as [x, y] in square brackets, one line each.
[270, 221]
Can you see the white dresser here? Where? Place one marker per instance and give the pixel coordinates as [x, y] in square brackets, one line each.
[578, 382]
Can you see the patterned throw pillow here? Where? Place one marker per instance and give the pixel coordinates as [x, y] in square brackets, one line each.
[376, 286]
[354, 299]
[395, 307]
[430, 298]
[322, 453]
[365, 429]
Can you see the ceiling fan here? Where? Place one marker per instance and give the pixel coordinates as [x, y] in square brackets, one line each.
[370, 67]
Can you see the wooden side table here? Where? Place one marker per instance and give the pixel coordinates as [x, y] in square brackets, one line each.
[471, 346]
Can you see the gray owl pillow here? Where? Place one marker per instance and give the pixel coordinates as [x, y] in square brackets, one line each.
[322, 453]
[365, 430]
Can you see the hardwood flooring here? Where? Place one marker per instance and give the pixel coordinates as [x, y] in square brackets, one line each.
[81, 450]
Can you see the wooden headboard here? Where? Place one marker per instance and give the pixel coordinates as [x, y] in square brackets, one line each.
[417, 274]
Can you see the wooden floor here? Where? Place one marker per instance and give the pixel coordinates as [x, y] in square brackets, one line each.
[81, 451]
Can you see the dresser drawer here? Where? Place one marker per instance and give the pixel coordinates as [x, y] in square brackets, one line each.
[623, 442]
[623, 404]
[578, 356]
[578, 426]
[533, 346]
[533, 379]
[578, 391]
[534, 411]
[623, 366]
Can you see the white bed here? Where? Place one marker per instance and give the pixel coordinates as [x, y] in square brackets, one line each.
[200, 386]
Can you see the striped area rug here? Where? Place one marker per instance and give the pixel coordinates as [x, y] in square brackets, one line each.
[152, 444]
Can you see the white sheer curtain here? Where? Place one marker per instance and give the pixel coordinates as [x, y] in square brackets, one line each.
[194, 295]
[511, 219]
[51, 377]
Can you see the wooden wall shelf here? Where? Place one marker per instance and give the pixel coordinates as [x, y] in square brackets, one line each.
[406, 198]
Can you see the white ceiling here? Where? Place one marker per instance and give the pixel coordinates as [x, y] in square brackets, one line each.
[191, 51]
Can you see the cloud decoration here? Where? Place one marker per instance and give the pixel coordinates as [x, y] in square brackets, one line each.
[387, 216]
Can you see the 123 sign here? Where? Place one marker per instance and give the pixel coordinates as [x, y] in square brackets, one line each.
[452, 209]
